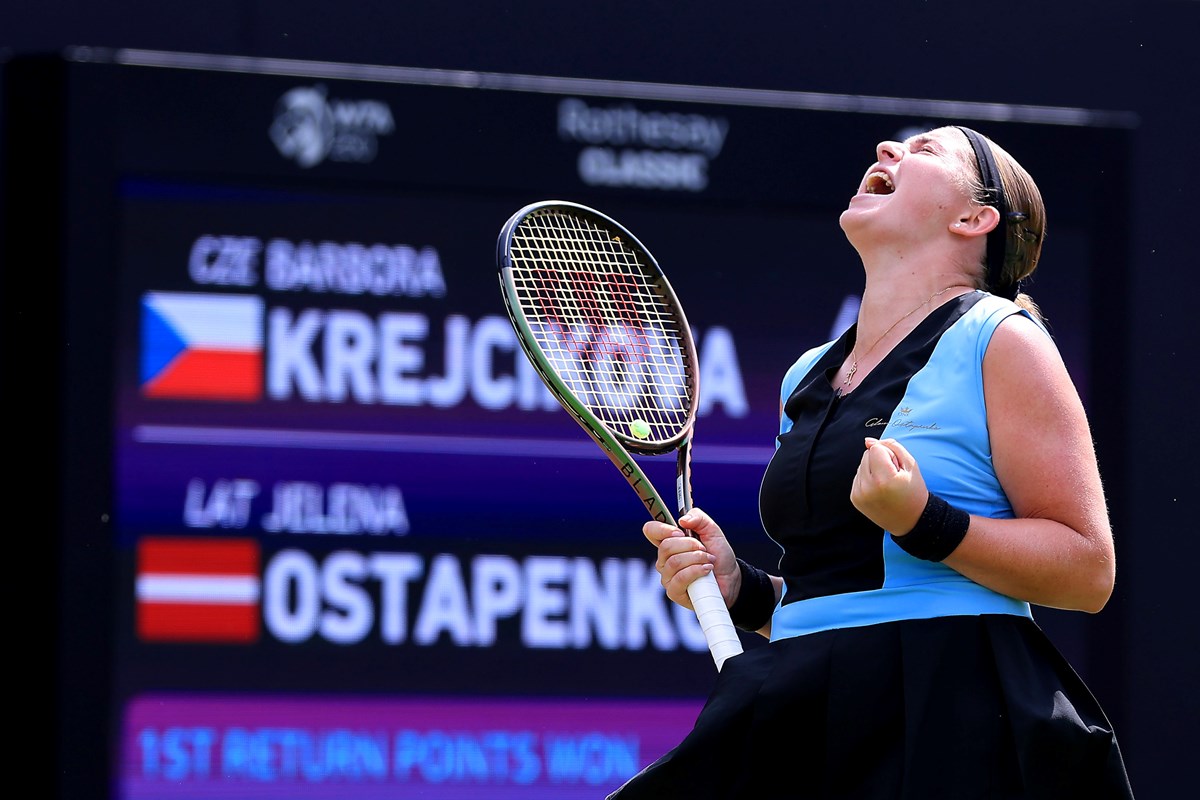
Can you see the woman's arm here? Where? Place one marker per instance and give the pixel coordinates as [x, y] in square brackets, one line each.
[1058, 550]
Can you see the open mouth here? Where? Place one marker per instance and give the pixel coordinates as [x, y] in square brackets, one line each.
[879, 183]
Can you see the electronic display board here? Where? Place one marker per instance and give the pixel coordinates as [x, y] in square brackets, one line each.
[349, 543]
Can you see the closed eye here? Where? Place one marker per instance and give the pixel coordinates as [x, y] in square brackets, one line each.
[924, 144]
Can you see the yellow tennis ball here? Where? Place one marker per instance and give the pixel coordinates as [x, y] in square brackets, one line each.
[640, 428]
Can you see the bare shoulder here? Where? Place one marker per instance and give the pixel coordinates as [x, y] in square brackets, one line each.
[1022, 357]
[1040, 435]
[1018, 335]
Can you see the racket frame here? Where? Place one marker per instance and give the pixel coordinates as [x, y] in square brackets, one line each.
[705, 594]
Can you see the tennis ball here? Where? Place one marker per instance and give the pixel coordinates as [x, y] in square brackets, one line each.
[640, 428]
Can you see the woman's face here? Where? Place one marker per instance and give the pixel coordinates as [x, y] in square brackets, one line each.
[916, 188]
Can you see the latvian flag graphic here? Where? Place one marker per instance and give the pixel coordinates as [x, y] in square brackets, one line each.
[199, 346]
[191, 589]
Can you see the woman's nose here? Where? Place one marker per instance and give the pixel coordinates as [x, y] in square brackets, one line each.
[889, 151]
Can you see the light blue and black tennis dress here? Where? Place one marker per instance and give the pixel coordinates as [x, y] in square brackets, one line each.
[888, 676]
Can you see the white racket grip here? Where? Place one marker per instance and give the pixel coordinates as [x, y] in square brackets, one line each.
[718, 628]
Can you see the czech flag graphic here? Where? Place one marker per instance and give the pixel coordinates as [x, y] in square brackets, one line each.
[192, 589]
[202, 346]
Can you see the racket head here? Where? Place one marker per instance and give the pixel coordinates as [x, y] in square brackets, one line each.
[601, 323]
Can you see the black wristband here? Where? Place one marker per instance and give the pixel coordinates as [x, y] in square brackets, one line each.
[937, 533]
[755, 602]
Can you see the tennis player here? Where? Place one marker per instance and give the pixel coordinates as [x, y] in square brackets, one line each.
[934, 479]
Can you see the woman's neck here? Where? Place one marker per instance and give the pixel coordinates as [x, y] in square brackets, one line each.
[890, 309]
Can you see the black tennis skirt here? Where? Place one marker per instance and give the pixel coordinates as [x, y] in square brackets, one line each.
[953, 708]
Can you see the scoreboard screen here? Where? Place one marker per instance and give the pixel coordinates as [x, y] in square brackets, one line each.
[320, 530]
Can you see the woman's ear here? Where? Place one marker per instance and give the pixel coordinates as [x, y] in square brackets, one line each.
[979, 221]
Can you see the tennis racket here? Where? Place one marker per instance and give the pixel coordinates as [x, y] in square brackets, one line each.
[604, 330]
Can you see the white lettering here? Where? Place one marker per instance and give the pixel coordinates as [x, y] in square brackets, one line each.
[290, 354]
[224, 260]
[645, 169]
[343, 508]
[450, 388]
[597, 603]
[225, 505]
[720, 375]
[291, 596]
[627, 125]
[444, 607]
[488, 389]
[350, 351]
[544, 622]
[342, 356]
[348, 615]
[354, 268]
[648, 617]
[497, 589]
[401, 358]
[558, 602]
[370, 115]
[395, 571]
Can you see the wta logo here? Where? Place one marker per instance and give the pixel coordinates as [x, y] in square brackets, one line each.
[198, 346]
[310, 127]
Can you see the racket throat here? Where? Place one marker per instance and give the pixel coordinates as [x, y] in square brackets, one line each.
[683, 478]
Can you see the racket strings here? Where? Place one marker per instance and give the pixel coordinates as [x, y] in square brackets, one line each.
[609, 333]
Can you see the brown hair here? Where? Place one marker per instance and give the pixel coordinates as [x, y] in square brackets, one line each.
[1026, 228]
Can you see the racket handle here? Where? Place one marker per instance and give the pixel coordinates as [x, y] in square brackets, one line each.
[713, 615]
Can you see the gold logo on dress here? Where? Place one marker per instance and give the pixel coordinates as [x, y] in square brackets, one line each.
[901, 422]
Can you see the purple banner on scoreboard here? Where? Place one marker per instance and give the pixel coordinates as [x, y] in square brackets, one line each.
[193, 747]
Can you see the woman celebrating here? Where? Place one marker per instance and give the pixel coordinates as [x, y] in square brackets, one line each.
[934, 476]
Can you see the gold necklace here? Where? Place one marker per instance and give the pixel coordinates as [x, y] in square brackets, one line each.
[854, 361]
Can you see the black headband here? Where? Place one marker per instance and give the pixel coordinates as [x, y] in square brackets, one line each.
[998, 237]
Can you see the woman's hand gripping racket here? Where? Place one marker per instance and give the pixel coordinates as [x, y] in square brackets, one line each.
[603, 328]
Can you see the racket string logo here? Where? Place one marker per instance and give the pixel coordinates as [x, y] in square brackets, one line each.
[607, 346]
[626, 375]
